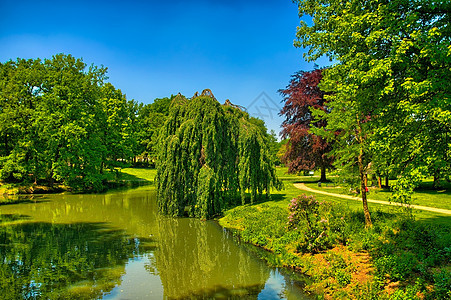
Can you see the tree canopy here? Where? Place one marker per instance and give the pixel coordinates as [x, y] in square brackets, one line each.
[390, 95]
[305, 150]
[151, 118]
[210, 155]
[59, 121]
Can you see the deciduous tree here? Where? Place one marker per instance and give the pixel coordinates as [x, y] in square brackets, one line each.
[305, 150]
[60, 122]
[151, 118]
[389, 89]
[210, 154]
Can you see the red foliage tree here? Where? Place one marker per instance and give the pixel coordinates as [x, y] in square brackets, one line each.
[305, 151]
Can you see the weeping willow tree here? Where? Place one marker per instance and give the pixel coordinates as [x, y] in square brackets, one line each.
[209, 156]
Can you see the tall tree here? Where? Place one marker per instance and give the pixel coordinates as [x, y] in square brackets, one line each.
[118, 132]
[209, 155]
[60, 122]
[388, 81]
[21, 84]
[305, 150]
[68, 121]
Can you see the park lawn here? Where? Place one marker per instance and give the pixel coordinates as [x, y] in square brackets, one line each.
[424, 195]
[131, 175]
[282, 173]
[140, 174]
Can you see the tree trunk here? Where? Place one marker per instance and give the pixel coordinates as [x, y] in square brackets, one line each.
[436, 183]
[387, 184]
[362, 175]
[323, 174]
[51, 180]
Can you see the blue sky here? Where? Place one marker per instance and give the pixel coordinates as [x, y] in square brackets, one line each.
[241, 50]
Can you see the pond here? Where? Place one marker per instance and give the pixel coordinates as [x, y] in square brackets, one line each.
[117, 246]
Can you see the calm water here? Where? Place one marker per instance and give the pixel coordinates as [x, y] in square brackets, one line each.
[117, 246]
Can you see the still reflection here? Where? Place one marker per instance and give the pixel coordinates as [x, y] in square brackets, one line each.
[196, 258]
[58, 261]
[116, 246]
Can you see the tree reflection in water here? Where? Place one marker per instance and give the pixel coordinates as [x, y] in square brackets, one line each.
[195, 260]
[81, 246]
[60, 261]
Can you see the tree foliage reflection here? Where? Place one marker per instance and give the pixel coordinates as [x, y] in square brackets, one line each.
[61, 261]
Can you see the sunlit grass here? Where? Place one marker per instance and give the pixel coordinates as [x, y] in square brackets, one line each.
[432, 198]
[440, 198]
[424, 195]
[144, 174]
[265, 224]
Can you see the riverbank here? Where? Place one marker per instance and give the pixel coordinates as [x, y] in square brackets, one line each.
[398, 258]
[127, 177]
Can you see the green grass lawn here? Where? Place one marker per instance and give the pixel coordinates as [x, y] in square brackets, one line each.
[138, 174]
[396, 245]
[425, 197]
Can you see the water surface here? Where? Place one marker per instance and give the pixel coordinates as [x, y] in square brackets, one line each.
[117, 246]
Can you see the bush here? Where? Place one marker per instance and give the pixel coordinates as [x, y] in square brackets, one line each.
[321, 224]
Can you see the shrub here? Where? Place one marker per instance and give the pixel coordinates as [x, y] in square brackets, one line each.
[309, 217]
[397, 267]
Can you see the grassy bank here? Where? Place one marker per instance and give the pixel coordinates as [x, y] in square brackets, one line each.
[118, 178]
[398, 258]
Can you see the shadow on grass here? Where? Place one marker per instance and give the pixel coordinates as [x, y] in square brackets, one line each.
[441, 220]
[276, 198]
[429, 185]
[13, 217]
[125, 180]
[132, 178]
[432, 191]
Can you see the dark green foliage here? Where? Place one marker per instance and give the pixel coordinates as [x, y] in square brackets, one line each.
[264, 226]
[442, 288]
[209, 155]
[409, 249]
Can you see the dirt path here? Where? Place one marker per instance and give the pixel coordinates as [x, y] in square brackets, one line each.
[303, 187]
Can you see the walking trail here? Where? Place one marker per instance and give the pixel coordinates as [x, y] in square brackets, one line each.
[303, 187]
